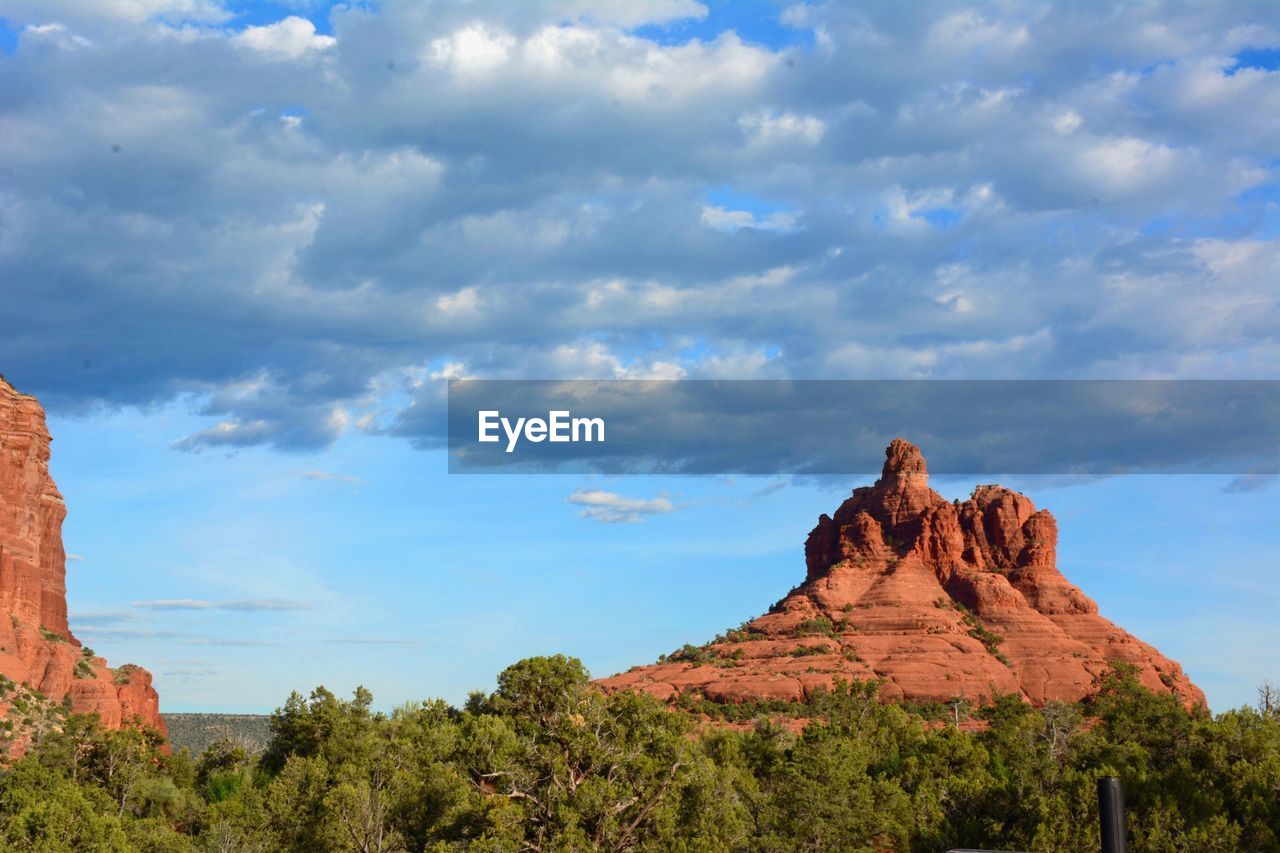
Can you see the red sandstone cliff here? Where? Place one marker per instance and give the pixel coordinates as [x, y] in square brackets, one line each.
[939, 599]
[36, 646]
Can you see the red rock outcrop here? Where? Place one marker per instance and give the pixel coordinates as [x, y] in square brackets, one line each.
[938, 599]
[37, 648]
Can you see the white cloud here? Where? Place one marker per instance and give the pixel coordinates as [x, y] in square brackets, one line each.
[610, 507]
[766, 128]
[1067, 121]
[465, 302]
[1125, 162]
[519, 189]
[595, 360]
[227, 433]
[55, 34]
[968, 30]
[729, 221]
[993, 357]
[289, 38]
[472, 50]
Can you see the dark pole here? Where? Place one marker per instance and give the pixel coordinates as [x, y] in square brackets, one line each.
[1111, 815]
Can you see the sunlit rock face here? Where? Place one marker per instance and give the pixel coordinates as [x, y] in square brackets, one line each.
[937, 599]
[37, 648]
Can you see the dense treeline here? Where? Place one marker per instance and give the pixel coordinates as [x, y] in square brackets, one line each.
[547, 762]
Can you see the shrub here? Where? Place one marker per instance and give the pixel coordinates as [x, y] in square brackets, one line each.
[816, 627]
[689, 653]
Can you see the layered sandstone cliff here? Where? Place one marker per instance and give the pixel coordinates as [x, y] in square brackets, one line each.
[939, 599]
[37, 648]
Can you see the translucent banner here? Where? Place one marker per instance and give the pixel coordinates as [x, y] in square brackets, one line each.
[819, 427]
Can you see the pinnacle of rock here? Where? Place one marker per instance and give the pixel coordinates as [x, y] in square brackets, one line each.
[933, 599]
[903, 464]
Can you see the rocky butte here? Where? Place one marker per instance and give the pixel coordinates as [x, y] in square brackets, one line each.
[937, 599]
[38, 652]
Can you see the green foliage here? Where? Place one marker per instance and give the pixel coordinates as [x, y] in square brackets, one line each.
[821, 626]
[31, 713]
[739, 712]
[689, 653]
[43, 810]
[984, 635]
[549, 762]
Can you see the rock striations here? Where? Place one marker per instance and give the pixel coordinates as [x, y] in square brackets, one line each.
[37, 650]
[938, 599]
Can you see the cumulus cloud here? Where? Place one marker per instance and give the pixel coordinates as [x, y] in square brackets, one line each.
[766, 128]
[289, 38]
[296, 231]
[611, 508]
[266, 412]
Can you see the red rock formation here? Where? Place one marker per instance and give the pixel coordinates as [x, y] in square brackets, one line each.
[938, 599]
[37, 647]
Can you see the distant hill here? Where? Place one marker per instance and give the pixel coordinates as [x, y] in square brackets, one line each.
[194, 732]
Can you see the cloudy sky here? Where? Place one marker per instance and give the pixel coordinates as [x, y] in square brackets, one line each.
[243, 244]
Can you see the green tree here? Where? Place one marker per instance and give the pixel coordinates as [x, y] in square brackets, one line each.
[43, 810]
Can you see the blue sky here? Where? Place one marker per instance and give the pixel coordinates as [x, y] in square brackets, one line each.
[369, 564]
[243, 246]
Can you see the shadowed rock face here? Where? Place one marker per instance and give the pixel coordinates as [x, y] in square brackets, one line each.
[36, 645]
[938, 599]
